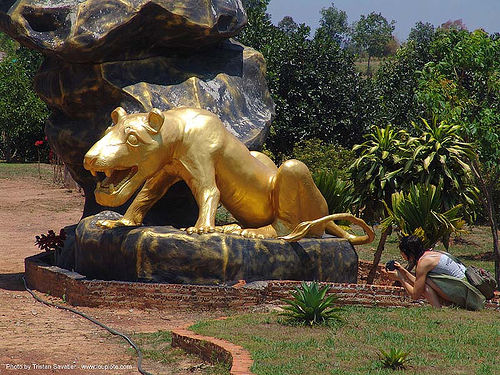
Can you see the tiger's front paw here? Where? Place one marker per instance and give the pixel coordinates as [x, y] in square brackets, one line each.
[108, 224]
[200, 230]
[252, 233]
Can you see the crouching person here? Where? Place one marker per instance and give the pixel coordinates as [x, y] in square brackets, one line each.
[438, 278]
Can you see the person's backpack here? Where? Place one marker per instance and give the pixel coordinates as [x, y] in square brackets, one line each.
[479, 278]
[482, 280]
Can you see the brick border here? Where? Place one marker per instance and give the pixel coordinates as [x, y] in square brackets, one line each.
[79, 291]
[213, 350]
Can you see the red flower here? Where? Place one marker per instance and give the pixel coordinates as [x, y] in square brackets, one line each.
[38, 143]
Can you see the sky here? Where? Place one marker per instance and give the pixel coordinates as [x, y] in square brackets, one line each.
[475, 14]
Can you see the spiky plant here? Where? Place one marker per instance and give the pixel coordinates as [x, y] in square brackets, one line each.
[311, 306]
[419, 212]
[440, 156]
[395, 359]
[339, 194]
[377, 170]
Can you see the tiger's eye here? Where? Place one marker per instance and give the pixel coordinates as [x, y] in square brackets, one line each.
[132, 140]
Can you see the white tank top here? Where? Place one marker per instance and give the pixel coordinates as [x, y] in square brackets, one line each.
[448, 266]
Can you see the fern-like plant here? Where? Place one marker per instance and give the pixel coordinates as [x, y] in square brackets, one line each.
[395, 359]
[311, 306]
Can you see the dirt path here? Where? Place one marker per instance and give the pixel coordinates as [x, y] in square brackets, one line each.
[33, 334]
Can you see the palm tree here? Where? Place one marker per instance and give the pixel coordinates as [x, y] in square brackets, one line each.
[441, 157]
[377, 173]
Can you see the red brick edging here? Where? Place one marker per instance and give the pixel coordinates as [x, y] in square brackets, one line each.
[79, 291]
[213, 350]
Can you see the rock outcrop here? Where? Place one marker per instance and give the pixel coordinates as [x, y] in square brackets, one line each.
[166, 254]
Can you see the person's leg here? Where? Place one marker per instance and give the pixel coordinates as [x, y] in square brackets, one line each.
[434, 295]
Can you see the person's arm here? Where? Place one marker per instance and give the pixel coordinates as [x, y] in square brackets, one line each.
[415, 285]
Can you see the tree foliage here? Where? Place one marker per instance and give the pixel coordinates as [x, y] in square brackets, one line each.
[371, 34]
[396, 82]
[22, 113]
[333, 23]
[313, 83]
[288, 25]
[461, 84]
[454, 25]
[320, 156]
[422, 33]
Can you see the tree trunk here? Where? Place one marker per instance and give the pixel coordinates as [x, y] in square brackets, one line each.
[378, 254]
[368, 71]
[487, 201]
[7, 149]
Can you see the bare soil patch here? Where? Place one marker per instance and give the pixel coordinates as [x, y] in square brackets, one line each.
[34, 334]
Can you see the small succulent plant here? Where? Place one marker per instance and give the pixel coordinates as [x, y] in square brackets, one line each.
[395, 359]
[311, 306]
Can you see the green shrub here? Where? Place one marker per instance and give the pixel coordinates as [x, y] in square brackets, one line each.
[377, 172]
[440, 156]
[311, 306]
[324, 157]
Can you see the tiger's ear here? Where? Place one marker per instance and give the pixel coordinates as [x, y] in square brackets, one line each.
[155, 119]
[117, 114]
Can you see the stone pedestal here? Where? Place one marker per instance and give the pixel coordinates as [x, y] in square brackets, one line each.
[166, 254]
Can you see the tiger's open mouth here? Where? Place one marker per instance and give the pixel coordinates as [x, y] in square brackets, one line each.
[111, 181]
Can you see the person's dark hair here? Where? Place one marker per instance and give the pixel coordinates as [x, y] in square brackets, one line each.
[413, 247]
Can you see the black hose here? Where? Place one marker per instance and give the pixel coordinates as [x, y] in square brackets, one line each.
[102, 325]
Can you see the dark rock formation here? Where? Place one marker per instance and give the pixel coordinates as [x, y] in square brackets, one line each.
[112, 30]
[140, 54]
[165, 254]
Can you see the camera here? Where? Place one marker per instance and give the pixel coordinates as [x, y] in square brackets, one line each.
[389, 266]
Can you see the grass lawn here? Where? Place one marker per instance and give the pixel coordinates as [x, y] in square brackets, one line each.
[473, 248]
[446, 341]
[26, 170]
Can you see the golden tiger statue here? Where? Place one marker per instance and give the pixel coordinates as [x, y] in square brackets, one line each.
[157, 149]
